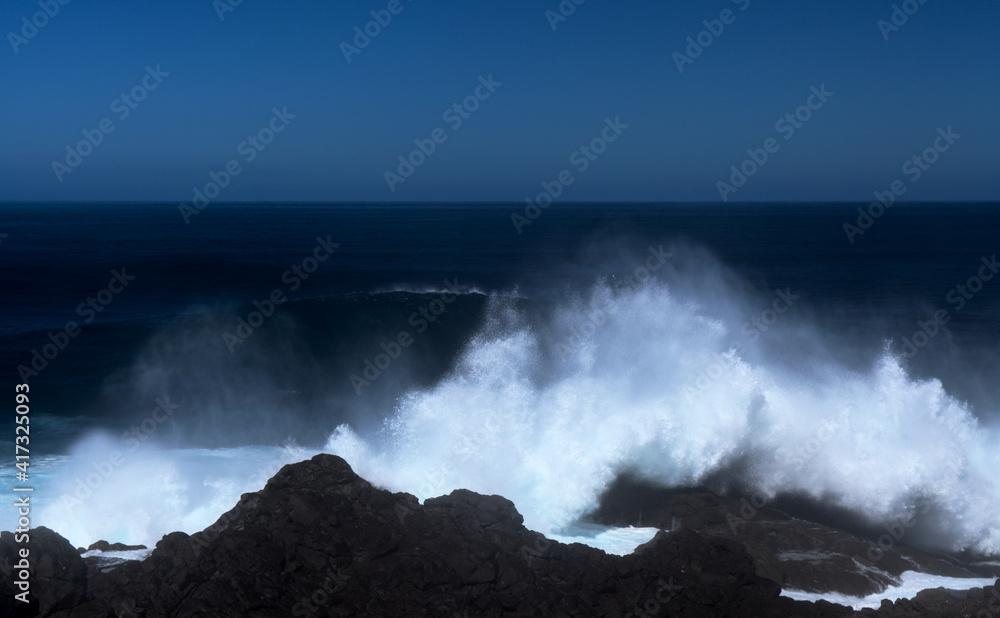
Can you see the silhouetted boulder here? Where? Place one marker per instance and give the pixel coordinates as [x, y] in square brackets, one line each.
[105, 546]
[796, 553]
[58, 576]
[319, 540]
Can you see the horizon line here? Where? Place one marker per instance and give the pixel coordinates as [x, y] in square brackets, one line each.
[495, 202]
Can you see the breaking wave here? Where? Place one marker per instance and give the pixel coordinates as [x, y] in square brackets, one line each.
[680, 380]
[662, 385]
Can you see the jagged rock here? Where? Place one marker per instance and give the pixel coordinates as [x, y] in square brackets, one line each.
[319, 540]
[105, 546]
[58, 576]
[797, 554]
[942, 603]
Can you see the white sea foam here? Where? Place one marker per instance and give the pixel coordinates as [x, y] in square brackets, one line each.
[645, 379]
[618, 541]
[138, 496]
[108, 560]
[658, 388]
[911, 582]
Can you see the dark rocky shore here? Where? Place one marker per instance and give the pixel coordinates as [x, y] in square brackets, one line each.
[320, 541]
[786, 540]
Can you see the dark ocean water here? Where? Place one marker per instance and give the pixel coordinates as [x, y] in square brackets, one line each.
[185, 275]
[677, 342]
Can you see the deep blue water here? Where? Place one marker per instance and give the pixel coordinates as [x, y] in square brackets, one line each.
[192, 281]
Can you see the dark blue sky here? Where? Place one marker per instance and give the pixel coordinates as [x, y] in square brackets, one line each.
[606, 60]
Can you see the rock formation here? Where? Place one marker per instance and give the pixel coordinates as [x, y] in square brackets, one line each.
[320, 541]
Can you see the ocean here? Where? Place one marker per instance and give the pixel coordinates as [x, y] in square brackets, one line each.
[763, 349]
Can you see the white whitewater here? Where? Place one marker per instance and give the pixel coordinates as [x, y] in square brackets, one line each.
[911, 582]
[659, 388]
[646, 379]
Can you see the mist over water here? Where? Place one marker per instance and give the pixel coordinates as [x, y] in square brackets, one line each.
[104, 491]
[669, 386]
[685, 376]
